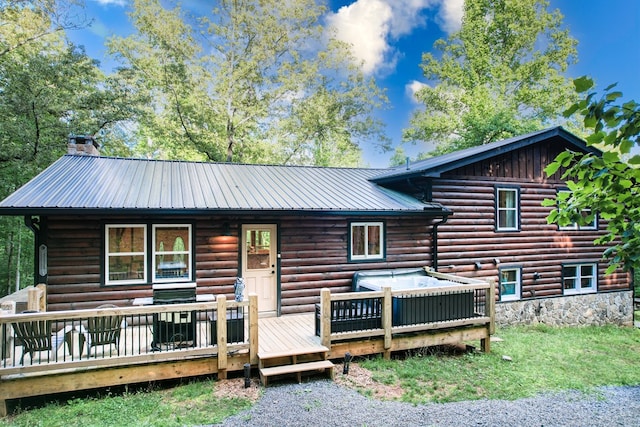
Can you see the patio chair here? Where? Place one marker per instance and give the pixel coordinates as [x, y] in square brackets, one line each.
[36, 336]
[102, 331]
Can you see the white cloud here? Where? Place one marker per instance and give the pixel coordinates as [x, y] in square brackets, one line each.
[111, 2]
[371, 26]
[365, 25]
[411, 88]
[450, 15]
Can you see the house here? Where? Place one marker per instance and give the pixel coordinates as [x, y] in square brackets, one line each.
[499, 230]
[107, 229]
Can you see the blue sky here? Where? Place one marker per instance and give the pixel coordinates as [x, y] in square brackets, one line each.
[391, 35]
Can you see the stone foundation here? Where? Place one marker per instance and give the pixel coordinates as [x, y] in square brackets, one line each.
[591, 309]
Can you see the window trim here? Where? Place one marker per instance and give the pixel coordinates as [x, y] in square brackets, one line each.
[518, 284]
[367, 257]
[516, 209]
[578, 290]
[575, 226]
[189, 252]
[149, 253]
[105, 258]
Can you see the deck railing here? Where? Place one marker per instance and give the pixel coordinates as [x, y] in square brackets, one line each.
[119, 336]
[356, 315]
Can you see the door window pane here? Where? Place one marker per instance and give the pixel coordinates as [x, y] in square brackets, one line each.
[258, 244]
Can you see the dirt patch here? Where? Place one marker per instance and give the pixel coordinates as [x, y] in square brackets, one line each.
[362, 380]
[234, 388]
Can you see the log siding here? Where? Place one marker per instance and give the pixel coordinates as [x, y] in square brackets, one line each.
[469, 239]
[313, 256]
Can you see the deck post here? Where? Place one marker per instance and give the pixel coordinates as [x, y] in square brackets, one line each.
[387, 320]
[325, 317]
[222, 336]
[33, 300]
[253, 329]
[491, 312]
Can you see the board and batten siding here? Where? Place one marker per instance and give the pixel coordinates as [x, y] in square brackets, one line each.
[313, 256]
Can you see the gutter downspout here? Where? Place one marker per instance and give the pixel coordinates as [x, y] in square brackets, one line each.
[434, 240]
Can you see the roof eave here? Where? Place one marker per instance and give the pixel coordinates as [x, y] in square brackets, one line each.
[426, 211]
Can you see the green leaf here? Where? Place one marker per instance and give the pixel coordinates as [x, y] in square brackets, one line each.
[613, 96]
[569, 111]
[611, 86]
[635, 160]
[552, 168]
[583, 84]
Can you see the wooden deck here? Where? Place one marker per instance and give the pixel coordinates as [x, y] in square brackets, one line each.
[286, 333]
[276, 346]
[288, 345]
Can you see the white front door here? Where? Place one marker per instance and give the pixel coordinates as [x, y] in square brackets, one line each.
[259, 264]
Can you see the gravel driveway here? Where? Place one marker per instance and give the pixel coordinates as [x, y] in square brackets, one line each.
[324, 403]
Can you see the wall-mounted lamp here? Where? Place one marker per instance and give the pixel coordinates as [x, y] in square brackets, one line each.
[536, 276]
[226, 229]
[496, 261]
[477, 265]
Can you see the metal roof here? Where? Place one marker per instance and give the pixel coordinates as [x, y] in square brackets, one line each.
[435, 166]
[93, 184]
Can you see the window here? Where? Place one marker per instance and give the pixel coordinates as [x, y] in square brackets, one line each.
[509, 284]
[367, 241]
[134, 257]
[579, 278]
[171, 252]
[507, 207]
[590, 220]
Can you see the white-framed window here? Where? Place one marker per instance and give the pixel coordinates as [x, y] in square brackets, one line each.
[507, 209]
[171, 252]
[366, 241]
[125, 254]
[510, 284]
[591, 219]
[135, 256]
[579, 278]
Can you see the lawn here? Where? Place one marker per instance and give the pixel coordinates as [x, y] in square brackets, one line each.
[539, 359]
[524, 361]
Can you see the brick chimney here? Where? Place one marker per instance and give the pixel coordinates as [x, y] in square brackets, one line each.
[83, 145]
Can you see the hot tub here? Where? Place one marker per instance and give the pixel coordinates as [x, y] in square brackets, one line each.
[414, 309]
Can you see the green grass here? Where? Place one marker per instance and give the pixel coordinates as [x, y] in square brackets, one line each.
[188, 404]
[543, 359]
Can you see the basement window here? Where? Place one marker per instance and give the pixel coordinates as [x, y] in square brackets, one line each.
[510, 284]
[579, 278]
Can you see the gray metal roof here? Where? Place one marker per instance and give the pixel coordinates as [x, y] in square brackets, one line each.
[434, 166]
[90, 184]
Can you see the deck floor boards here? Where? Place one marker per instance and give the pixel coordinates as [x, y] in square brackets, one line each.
[279, 334]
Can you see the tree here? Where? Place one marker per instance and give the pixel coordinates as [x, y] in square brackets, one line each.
[499, 76]
[608, 185]
[28, 21]
[254, 81]
[50, 89]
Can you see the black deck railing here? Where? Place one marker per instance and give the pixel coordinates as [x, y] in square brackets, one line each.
[118, 335]
[351, 315]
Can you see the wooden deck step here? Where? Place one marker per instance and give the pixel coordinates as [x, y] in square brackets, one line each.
[296, 368]
[299, 351]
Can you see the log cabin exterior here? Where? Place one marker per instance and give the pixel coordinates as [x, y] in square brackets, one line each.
[291, 231]
[499, 230]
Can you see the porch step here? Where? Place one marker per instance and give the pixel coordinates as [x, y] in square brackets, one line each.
[293, 361]
[296, 368]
